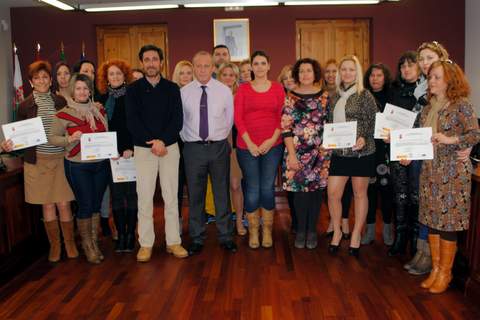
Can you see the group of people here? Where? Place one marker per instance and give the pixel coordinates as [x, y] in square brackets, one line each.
[227, 128]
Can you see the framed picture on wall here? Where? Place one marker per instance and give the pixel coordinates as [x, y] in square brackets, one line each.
[235, 34]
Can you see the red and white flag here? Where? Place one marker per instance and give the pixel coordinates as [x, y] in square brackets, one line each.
[17, 84]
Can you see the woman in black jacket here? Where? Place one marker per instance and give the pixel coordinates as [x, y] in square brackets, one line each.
[112, 79]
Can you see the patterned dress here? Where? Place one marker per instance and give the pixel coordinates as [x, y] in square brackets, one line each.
[303, 118]
[445, 182]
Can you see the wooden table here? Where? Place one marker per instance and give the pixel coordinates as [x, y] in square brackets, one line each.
[22, 236]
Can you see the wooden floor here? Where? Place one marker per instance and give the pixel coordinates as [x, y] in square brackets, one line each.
[280, 283]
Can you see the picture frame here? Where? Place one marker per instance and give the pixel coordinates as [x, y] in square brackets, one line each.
[235, 34]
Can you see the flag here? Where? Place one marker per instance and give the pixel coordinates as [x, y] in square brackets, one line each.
[37, 53]
[82, 55]
[17, 84]
[62, 52]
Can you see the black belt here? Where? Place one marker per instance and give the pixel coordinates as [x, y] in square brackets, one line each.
[206, 141]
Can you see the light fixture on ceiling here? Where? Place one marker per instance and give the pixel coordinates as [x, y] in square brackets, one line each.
[127, 6]
[231, 4]
[330, 2]
[58, 4]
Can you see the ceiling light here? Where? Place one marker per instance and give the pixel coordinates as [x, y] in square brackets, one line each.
[232, 4]
[330, 2]
[58, 4]
[126, 6]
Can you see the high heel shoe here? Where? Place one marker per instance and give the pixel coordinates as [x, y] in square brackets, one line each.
[354, 252]
[333, 248]
[328, 234]
[346, 236]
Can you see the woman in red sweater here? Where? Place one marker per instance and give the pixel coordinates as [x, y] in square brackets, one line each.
[258, 110]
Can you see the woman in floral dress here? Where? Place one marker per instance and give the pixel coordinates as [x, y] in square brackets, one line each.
[305, 162]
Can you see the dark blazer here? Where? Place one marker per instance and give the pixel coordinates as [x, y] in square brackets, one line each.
[27, 110]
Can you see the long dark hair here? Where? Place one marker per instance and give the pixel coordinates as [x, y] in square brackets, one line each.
[386, 75]
[55, 85]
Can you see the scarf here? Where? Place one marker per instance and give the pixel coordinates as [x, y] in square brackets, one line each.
[432, 116]
[339, 110]
[88, 112]
[113, 93]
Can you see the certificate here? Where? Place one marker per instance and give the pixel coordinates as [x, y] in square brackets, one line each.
[411, 144]
[102, 145]
[393, 118]
[25, 133]
[340, 135]
[123, 170]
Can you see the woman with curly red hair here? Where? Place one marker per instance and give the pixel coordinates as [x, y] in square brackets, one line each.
[113, 76]
[445, 182]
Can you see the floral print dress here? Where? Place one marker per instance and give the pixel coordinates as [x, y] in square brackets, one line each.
[445, 182]
[303, 119]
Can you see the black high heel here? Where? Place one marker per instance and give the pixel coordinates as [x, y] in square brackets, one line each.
[328, 234]
[354, 252]
[333, 248]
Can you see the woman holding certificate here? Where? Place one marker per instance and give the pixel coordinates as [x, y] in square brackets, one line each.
[44, 175]
[258, 109]
[445, 182]
[305, 162]
[351, 103]
[88, 178]
[112, 80]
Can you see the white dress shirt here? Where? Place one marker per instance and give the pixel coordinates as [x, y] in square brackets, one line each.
[220, 110]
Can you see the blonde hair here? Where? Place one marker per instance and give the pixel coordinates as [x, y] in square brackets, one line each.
[235, 70]
[358, 67]
[178, 67]
[435, 47]
[283, 73]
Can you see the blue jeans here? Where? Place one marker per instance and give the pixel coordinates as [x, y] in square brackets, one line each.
[259, 174]
[88, 182]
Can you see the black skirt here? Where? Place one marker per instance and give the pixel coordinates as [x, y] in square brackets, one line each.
[353, 166]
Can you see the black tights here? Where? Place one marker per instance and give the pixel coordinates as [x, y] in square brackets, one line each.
[307, 208]
[444, 235]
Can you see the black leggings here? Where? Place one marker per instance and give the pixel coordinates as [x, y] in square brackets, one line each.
[445, 235]
[307, 209]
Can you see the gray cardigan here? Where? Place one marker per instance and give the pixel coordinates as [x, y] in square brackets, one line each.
[360, 107]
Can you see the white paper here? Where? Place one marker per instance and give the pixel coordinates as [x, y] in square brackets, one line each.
[123, 170]
[101, 145]
[393, 118]
[25, 133]
[411, 144]
[340, 135]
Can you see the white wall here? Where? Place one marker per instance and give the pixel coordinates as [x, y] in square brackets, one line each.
[472, 49]
[6, 67]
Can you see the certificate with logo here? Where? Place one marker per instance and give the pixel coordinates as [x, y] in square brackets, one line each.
[411, 144]
[340, 135]
[393, 118]
[95, 146]
[25, 133]
[123, 170]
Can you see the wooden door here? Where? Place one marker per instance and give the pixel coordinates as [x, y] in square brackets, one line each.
[327, 39]
[124, 42]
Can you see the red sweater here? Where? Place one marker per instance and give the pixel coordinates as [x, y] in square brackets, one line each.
[258, 113]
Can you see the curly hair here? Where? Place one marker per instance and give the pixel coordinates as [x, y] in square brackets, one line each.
[457, 84]
[317, 70]
[386, 75]
[102, 77]
[38, 66]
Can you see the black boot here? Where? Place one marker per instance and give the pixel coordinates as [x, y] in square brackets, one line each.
[400, 243]
[131, 228]
[105, 226]
[413, 228]
[119, 217]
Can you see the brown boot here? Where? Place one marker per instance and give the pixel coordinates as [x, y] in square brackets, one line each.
[253, 224]
[267, 218]
[447, 256]
[69, 238]
[53, 234]
[85, 229]
[434, 243]
[95, 225]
